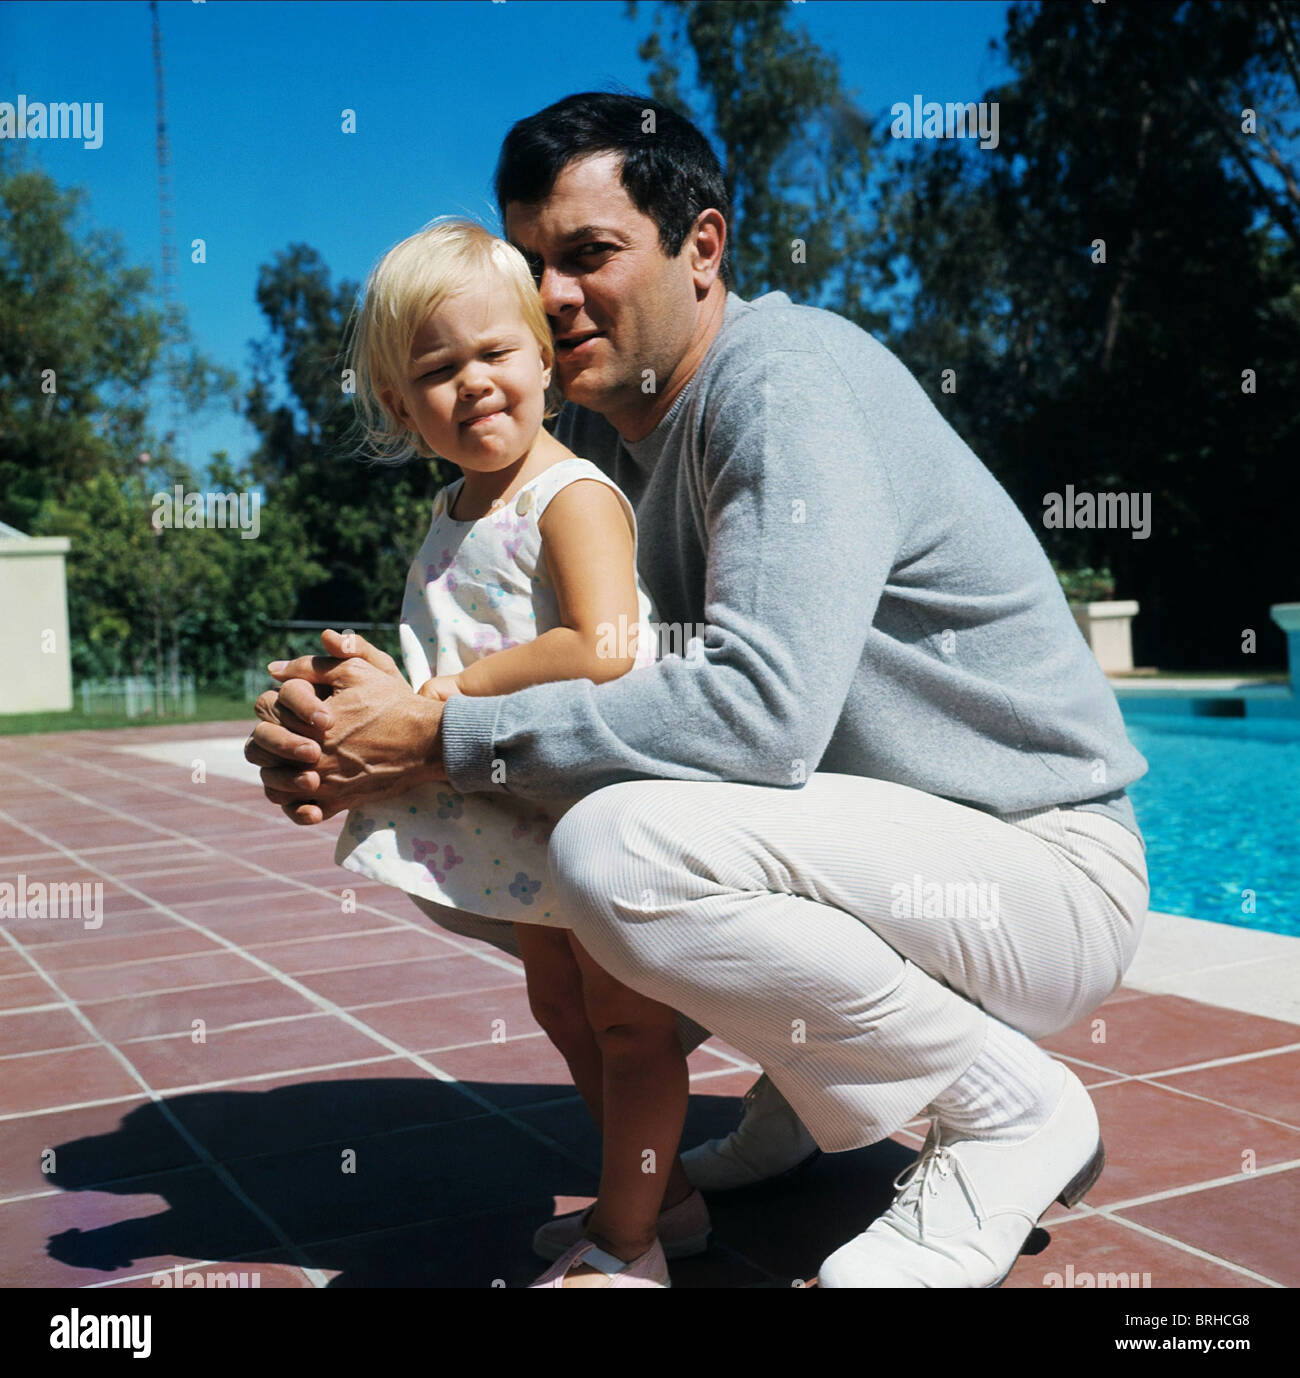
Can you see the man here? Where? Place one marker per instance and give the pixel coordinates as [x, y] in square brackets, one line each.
[872, 828]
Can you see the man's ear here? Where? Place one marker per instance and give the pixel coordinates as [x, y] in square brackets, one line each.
[707, 241]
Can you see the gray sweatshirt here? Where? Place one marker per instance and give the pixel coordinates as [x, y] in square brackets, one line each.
[868, 601]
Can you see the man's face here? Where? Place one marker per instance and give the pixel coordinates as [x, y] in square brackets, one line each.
[617, 306]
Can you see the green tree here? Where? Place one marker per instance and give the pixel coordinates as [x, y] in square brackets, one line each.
[80, 345]
[796, 150]
[1099, 283]
[363, 521]
[205, 595]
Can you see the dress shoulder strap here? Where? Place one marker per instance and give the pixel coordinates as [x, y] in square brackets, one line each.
[560, 475]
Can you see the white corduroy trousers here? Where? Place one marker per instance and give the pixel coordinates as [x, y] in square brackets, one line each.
[850, 935]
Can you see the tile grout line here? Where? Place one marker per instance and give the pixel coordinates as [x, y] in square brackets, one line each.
[251, 1023]
[268, 1022]
[88, 851]
[320, 890]
[190, 1088]
[208, 1263]
[162, 908]
[1146, 1077]
[1105, 1213]
[202, 952]
[196, 1146]
[1221, 1105]
[444, 936]
[737, 1062]
[326, 1006]
[231, 1083]
[1191, 1188]
[1214, 966]
[1118, 1075]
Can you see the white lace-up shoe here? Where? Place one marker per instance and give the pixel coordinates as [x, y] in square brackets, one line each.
[966, 1206]
[769, 1143]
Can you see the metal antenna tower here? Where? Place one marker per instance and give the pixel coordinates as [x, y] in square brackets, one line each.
[167, 227]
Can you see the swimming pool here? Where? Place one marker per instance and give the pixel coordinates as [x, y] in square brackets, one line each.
[1220, 811]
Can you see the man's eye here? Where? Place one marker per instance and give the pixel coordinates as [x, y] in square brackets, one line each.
[597, 248]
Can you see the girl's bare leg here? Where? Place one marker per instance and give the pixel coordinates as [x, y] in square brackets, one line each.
[560, 993]
[555, 998]
[645, 1089]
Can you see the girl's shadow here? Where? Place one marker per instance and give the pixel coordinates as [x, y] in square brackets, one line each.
[342, 1168]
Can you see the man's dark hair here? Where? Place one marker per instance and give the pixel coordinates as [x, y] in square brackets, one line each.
[670, 172]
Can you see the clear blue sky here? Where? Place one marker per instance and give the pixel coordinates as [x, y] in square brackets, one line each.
[255, 93]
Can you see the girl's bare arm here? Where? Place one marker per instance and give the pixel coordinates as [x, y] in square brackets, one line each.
[590, 559]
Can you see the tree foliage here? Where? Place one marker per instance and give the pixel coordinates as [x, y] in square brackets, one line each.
[81, 343]
[363, 521]
[1094, 288]
[205, 596]
[1100, 282]
[796, 149]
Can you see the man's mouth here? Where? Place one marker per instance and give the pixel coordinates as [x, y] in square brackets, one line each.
[569, 346]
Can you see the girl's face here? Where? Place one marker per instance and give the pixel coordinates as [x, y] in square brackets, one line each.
[475, 385]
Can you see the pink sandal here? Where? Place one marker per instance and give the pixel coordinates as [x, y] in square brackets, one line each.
[650, 1270]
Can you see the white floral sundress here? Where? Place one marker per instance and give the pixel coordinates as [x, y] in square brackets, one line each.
[476, 587]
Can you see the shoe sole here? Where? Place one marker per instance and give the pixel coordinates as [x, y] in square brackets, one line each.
[1070, 1195]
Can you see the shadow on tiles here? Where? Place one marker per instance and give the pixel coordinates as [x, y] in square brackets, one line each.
[389, 1182]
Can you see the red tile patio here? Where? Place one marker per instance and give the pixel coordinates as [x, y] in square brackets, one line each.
[240, 1069]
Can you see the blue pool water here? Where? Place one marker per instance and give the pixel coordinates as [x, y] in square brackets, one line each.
[1220, 811]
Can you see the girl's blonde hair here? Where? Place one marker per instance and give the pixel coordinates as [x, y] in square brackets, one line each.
[413, 278]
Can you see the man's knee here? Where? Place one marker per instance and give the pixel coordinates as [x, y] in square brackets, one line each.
[593, 838]
[604, 858]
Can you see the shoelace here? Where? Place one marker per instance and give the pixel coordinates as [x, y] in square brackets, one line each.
[928, 1174]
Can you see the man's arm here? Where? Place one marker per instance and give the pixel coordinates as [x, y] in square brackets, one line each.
[802, 531]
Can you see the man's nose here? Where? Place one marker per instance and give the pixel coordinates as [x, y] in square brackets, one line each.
[559, 291]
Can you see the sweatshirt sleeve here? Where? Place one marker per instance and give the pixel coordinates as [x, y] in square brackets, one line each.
[801, 529]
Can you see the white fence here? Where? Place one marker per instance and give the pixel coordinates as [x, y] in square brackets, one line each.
[137, 696]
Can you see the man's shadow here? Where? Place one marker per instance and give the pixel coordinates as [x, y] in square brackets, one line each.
[407, 1182]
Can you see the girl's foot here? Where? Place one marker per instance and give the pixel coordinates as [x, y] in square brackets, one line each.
[684, 1229]
[588, 1265]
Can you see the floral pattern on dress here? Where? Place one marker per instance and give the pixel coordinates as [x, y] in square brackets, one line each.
[523, 889]
[473, 589]
[427, 852]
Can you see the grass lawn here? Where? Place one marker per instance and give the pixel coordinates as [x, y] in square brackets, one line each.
[208, 707]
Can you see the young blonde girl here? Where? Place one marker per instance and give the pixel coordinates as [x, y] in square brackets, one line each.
[529, 563]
